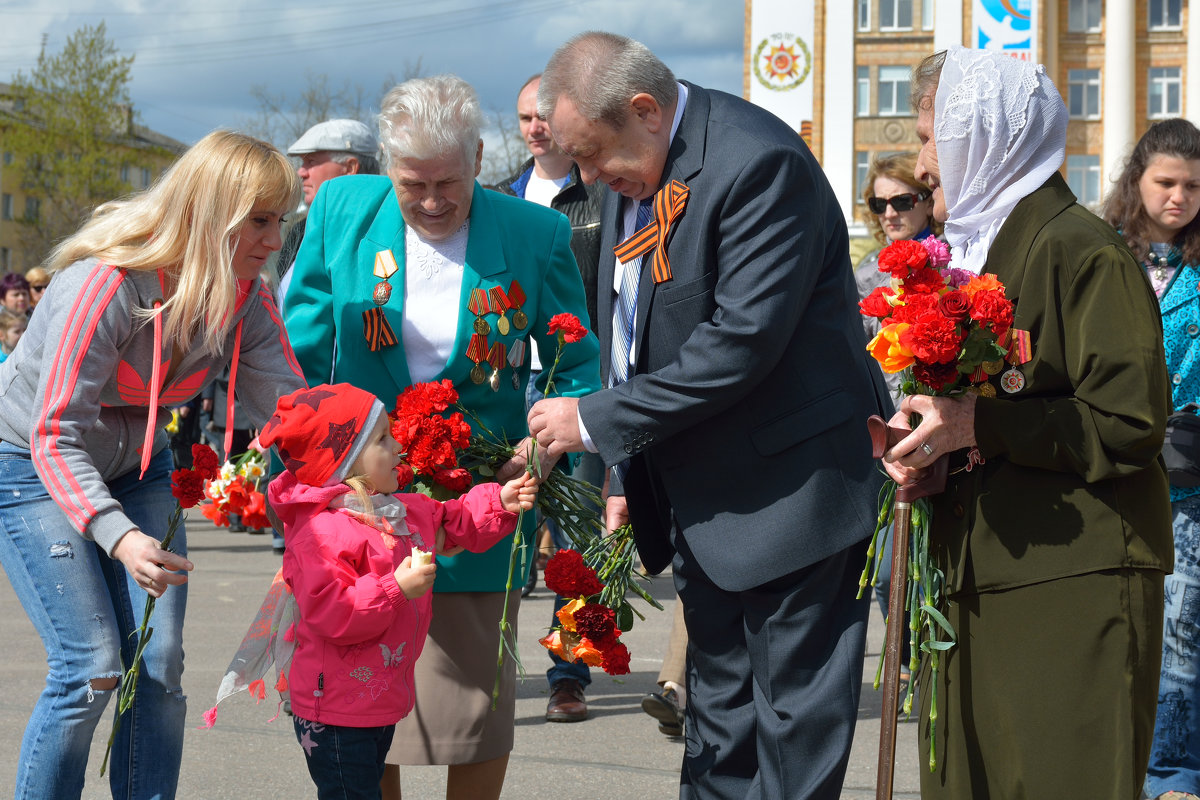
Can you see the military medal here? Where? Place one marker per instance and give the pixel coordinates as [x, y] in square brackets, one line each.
[992, 367]
[1012, 381]
[496, 357]
[385, 268]
[516, 299]
[500, 305]
[479, 306]
[516, 358]
[477, 352]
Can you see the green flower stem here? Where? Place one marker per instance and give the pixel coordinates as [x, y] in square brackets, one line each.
[129, 680]
[509, 643]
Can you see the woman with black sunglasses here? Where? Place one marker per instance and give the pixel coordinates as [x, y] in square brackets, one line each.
[38, 280]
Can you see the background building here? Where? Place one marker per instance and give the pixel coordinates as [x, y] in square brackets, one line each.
[141, 154]
[1120, 65]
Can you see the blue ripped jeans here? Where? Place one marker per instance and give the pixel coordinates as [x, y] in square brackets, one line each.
[1175, 756]
[85, 606]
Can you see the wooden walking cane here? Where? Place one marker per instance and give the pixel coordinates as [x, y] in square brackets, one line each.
[883, 437]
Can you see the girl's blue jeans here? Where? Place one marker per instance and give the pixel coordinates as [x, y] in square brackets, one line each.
[1175, 755]
[86, 608]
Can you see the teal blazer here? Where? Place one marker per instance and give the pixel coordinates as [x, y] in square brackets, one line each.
[355, 217]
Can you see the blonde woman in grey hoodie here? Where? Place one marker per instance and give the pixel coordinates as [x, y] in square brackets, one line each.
[151, 299]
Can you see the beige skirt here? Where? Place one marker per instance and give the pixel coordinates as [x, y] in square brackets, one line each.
[453, 721]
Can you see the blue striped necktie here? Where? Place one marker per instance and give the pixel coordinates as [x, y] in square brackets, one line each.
[626, 307]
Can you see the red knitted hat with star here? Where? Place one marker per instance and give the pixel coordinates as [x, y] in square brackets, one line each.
[319, 432]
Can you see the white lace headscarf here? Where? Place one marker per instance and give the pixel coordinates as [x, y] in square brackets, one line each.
[1000, 126]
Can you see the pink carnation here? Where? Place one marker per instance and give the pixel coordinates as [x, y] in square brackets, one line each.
[939, 251]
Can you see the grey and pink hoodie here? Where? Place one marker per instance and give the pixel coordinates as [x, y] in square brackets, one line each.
[88, 386]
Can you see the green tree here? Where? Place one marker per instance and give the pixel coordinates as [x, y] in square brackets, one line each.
[69, 134]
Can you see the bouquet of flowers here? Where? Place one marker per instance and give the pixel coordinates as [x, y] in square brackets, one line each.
[234, 490]
[187, 487]
[588, 632]
[948, 330]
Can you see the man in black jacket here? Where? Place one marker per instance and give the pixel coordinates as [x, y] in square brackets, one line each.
[550, 178]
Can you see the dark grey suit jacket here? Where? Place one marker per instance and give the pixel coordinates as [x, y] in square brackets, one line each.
[745, 419]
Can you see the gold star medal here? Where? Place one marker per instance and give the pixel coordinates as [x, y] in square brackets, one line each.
[385, 268]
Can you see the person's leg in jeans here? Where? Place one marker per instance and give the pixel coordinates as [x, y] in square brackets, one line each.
[1175, 756]
[344, 763]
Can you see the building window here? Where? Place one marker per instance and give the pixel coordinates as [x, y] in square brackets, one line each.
[31, 209]
[864, 91]
[125, 173]
[927, 14]
[1083, 16]
[864, 15]
[1083, 93]
[1165, 15]
[6, 207]
[145, 177]
[7, 158]
[895, 15]
[1166, 88]
[893, 91]
[1083, 176]
[862, 166]
[5, 257]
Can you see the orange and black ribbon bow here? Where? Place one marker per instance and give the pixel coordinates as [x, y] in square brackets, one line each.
[668, 206]
[376, 330]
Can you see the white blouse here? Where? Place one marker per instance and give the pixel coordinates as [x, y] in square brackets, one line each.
[433, 275]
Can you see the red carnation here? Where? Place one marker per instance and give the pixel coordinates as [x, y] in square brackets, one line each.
[993, 308]
[615, 660]
[875, 304]
[187, 486]
[924, 281]
[936, 376]
[916, 307]
[569, 326]
[955, 304]
[899, 258]
[567, 576]
[456, 480]
[935, 340]
[596, 622]
[404, 474]
[205, 462]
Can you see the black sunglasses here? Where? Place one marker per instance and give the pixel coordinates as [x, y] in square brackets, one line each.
[900, 202]
[37, 287]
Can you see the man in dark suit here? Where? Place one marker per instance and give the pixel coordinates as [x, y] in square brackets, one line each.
[735, 418]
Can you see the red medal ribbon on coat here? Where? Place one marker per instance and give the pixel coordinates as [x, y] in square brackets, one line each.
[668, 206]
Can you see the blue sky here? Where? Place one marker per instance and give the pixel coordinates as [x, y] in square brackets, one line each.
[197, 61]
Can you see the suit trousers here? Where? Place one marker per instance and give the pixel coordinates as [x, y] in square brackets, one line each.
[774, 676]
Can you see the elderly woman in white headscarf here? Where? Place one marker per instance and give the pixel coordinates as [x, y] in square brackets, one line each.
[1055, 544]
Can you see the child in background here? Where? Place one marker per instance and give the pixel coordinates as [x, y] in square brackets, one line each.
[11, 328]
[358, 564]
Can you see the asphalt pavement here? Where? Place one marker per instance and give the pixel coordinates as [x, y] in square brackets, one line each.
[616, 754]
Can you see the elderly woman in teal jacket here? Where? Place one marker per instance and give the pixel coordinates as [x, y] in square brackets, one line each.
[422, 275]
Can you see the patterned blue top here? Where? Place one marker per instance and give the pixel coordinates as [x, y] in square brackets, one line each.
[1180, 306]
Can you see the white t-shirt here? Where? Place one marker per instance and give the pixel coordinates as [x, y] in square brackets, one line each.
[541, 191]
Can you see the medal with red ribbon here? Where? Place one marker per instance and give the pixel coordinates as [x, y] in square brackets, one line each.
[479, 306]
[477, 351]
[516, 299]
[497, 358]
[500, 306]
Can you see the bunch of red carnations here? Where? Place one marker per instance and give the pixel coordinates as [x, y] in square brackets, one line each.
[432, 440]
[233, 488]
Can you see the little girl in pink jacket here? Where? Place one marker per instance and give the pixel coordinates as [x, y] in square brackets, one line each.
[356, 564]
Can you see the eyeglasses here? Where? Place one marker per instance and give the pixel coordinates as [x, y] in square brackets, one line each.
[37, 288]
[900, 202]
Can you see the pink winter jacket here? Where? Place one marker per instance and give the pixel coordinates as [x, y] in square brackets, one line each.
[357, 636]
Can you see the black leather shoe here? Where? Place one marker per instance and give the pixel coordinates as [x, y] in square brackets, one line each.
[664, 707]
[566, 702]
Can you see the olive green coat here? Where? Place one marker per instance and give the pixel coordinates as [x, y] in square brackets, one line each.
[1073, 482]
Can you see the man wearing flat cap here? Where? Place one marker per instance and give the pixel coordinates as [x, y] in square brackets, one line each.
[327, 150]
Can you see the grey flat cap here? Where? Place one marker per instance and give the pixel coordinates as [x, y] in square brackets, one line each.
[339, 136]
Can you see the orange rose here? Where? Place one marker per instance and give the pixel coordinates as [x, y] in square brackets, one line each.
[588, 653]
[554, 643]
[887, 350]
